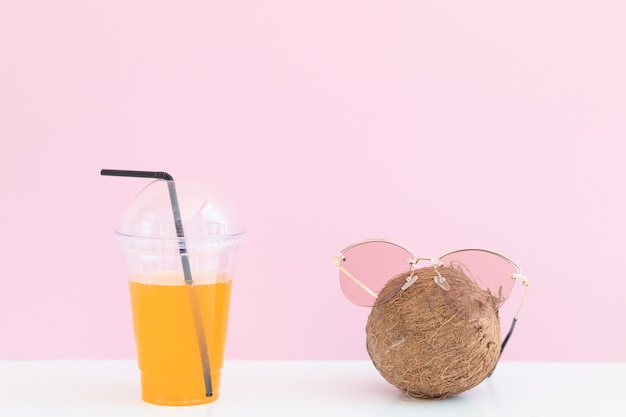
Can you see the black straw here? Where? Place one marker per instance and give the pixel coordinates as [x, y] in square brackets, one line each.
[138, 174]
[178, 222]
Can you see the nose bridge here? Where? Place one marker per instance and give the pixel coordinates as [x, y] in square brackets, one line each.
[434, 261]
[439, 279]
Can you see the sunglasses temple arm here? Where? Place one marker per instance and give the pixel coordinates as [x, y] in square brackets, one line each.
[504, 342]
[521, 304]
[519, 309]
[508, 335]
[359, 283]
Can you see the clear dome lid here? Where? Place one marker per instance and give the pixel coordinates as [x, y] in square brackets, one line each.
[207, 224]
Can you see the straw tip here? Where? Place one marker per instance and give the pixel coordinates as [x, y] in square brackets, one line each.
[141, 174]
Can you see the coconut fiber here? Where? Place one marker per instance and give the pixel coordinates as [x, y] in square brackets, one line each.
[427, 341]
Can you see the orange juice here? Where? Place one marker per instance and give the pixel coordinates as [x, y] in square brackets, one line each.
[167, 344]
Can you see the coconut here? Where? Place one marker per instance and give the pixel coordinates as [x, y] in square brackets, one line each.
[432, 343]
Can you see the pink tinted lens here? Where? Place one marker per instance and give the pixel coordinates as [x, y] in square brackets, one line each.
[368, 266]
[491, 272]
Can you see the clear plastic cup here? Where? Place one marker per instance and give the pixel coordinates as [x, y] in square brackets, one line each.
[180, 327]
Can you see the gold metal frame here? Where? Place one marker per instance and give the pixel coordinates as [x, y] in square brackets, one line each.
[436, 262]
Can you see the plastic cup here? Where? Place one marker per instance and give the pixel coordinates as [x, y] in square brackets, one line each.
[179, 325]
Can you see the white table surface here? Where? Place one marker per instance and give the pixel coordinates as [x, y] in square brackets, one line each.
[311, 388]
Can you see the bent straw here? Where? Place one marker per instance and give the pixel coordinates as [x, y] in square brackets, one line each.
[193, 297]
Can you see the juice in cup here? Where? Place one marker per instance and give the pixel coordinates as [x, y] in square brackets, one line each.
[166, 339]
[180, 248]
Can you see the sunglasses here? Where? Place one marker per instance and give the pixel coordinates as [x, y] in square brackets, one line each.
[473, 283]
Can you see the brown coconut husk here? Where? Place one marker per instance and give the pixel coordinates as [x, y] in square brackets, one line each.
[427, 342]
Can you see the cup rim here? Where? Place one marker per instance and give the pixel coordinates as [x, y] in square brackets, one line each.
[159, 245]
[238, 232]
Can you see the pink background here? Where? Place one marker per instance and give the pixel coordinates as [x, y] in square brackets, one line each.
[441, 124]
